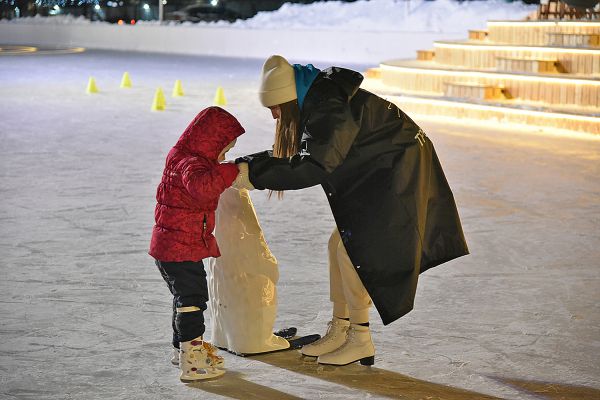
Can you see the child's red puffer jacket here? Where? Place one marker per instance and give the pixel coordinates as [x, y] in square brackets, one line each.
[191, 184]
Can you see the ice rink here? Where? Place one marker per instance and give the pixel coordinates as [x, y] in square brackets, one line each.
[86, 315]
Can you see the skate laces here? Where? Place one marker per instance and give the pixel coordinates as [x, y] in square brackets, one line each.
[329, 334]
[349, 339]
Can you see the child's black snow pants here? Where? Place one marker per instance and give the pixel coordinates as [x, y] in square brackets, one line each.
[187, 283]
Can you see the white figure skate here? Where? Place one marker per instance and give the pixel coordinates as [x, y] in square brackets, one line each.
[358, 347]
[334, 338]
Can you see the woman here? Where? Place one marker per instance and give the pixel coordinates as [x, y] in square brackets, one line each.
[395, 213]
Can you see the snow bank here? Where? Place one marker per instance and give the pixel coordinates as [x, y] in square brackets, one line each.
[362, 15]
[361, 32]
[386, 15]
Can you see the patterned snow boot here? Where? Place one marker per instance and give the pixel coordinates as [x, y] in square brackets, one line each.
[217, 360]
[196, 362]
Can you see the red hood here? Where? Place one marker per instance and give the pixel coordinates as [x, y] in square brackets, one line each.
[210, 132]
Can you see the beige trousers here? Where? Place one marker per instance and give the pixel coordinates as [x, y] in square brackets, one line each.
[349, 296]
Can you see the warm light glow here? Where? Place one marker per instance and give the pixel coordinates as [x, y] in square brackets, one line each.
[24, 50]
[120, 22]
[16, 50]
[506, 110]
[544, 23]
[133, 22]
[451, 45]
[494, 75]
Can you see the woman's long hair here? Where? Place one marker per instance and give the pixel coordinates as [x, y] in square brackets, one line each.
[287, 134]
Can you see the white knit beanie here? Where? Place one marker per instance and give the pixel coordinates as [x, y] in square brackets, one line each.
[278, 84]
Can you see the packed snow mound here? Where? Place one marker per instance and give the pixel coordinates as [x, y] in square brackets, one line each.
[359, 16]
[386, 15]
[53, 20]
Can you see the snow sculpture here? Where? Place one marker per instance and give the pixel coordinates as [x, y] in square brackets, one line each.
[242, 282]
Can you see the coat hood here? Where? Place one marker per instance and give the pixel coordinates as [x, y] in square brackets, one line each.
[210, 132]
[347, 79]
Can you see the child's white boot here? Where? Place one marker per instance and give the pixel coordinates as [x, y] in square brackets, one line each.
[358, 347]
[175, 356]
[217, 360]
[335, 337]
[196, 363]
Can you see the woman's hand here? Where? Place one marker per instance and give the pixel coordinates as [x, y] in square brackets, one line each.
[243, 180]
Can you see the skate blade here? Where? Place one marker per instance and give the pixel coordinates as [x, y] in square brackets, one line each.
[287, 333]
[366, 361]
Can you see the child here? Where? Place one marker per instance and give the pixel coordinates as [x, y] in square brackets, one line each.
[192, 181]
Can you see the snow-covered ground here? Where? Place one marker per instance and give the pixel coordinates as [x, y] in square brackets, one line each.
[86, 315]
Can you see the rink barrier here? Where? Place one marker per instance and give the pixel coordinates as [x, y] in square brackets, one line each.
[333, 46]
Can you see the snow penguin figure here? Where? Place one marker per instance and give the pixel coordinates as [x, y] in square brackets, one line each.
[193, 179]
[394, 211]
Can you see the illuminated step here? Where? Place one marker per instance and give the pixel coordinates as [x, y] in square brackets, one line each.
[425, 55]
[535, 66]
[483, 55]
[376, 85]
[429, 78]
[574, 39]
[534, 33]
[418, 106]
[372, 73]
[474, 91]
[475, 34]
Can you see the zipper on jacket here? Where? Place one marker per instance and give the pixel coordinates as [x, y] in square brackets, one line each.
[204, 231]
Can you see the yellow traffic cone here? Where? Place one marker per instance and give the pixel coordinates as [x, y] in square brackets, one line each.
[177, 89]
[91, 86]
[125, 81]
[159, 103]
[220, 97]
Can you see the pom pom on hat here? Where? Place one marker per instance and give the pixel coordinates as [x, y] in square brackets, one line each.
[278, 84]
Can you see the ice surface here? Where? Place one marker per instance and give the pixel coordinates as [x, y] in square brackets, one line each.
[86, 315]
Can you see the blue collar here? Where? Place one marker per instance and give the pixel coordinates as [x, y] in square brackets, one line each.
[305, 76]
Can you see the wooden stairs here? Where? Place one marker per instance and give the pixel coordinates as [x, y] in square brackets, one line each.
[543, 73]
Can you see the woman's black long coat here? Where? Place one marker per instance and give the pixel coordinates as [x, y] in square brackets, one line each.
[390, 199]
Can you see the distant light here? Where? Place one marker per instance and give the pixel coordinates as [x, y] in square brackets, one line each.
[164, 2]
[133, 22]
[56, 7]
[120, 3]
[146, 7]
[97, 6]
[120, 22]
[214, 3]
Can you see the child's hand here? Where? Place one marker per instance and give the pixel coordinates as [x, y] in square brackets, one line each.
[243, 180]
